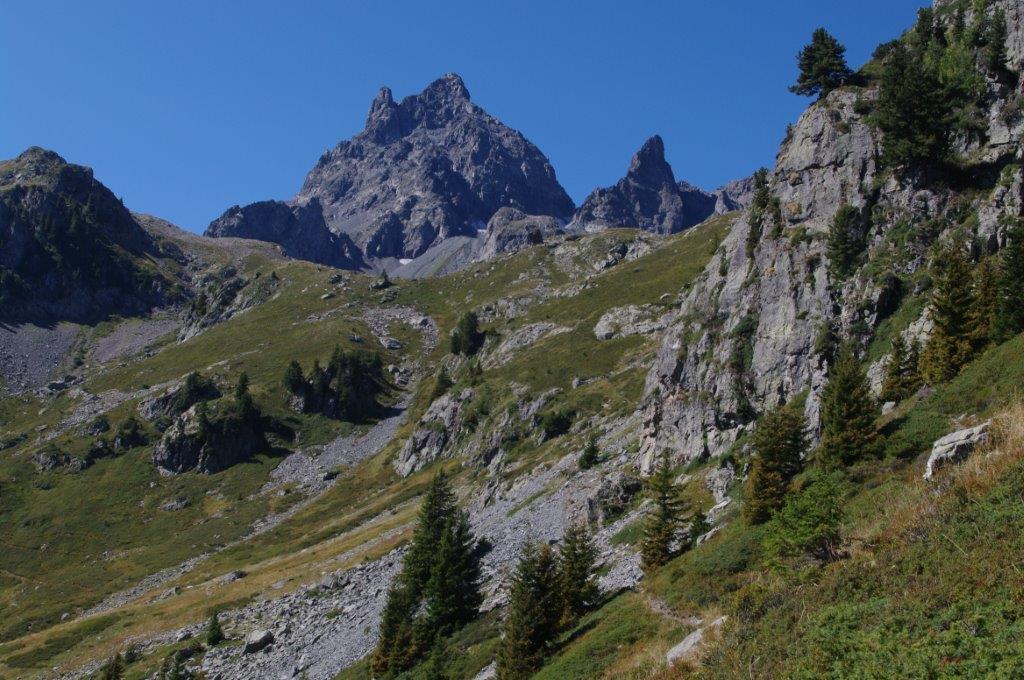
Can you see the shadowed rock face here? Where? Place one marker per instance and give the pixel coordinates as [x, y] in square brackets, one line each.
[430, 167]
[69, 249]
[299, 229]
[649, 198]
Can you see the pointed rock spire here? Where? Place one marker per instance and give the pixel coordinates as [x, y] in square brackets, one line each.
[649, 166]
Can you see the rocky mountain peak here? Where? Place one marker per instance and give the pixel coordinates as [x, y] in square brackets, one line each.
[70, 249]
[648, 197]
[429, 167]
[649, 166]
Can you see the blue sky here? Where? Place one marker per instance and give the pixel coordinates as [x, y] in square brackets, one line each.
[184, 108]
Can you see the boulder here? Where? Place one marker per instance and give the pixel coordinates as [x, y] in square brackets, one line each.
[621, 322]
[955, 447]
[613, 496]
[258, 640]
[687, 649]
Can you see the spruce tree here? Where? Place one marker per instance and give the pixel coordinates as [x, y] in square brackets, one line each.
[113, 669]
[995, 49]
[1010, 307]
[844, 244]
[901, 372]
[534, 615]
[590, 455]
[759, 204]
[822, 66]
[848, 412]
[293, 379]
[699, 526]
[467, 338]
[779, 443]
[452, 594]
[983, 313]
[244, 405]
[949, 346]
[214, 633]
[662, 522]
[577, 559]
[437, 591]
[912, 110]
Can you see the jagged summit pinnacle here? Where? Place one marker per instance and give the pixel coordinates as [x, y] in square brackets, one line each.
[649, 165]
[430, 166]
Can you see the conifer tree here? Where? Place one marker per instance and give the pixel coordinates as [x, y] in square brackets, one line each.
[699, 526]
[577, 559]
[452, 593]
[822, 66]
[467, 338]
[1010, 307]
[442, 383]
[662, 522]
[214, 633]
[759, 204]
[949, 346]
[437, 591]
[534, 615]
[293, 381]
[901, 372]
[244, 405]
[844, 244]
[113, 669]
[438, 662]
[779, 442]
[590, 455]
[982, 315]
[995, 49]
[912, 110]
[848, 412]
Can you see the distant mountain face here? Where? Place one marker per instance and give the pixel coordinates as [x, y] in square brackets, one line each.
[69, 249]
[650, 198]
[430, 167]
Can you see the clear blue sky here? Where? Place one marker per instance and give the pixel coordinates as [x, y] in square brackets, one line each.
[184, 108]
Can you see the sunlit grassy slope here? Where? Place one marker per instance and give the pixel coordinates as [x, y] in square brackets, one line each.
[76, 538]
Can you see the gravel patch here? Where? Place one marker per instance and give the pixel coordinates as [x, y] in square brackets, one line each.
[30, 354]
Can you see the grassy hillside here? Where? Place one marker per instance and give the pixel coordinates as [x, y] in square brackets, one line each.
[929, 586]
[79, 537]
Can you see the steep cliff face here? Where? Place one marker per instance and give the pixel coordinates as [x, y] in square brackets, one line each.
[69, 249]
[430, 167]
[750, 333]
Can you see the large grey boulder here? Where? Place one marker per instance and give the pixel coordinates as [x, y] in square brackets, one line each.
[956, 447]
[258, 640]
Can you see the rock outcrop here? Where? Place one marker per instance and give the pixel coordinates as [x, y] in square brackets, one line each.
[194, 443]
[430, 167]
[510, 230]
[299, 229]
[956, 447]
[747, 334]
